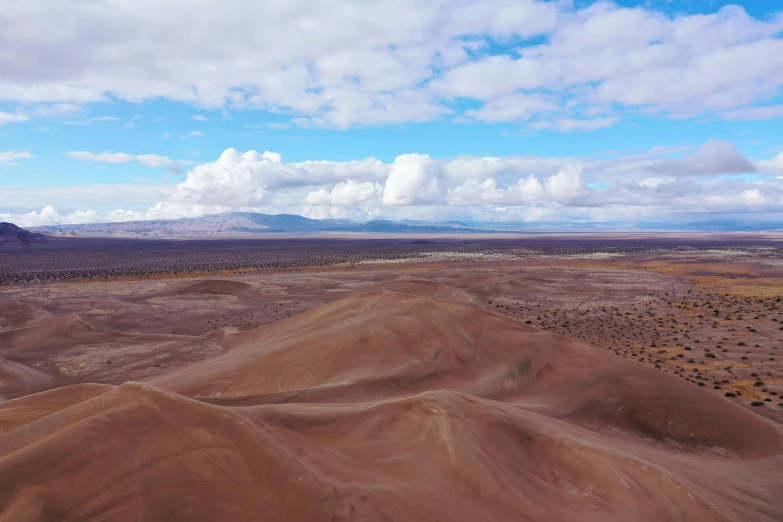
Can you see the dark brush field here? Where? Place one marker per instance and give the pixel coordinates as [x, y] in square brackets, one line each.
[75, 258]
[473, 378]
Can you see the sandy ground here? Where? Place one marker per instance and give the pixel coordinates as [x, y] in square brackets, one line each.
[595, 387]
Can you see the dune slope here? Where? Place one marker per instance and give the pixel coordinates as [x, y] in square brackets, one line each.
[390, 406]
[66, 349]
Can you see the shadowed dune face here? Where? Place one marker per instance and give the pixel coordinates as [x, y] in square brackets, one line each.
[386, 406]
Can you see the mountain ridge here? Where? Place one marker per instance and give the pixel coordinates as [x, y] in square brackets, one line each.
[251, 224]
[12, 234]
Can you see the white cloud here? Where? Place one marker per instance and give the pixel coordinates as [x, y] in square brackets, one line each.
[199, 117]
[245, 179]
[89, 121]
[571, 124]
[754, 197]
[7, 117]
[566, 183]
[196, 133]
[414, 179]
[767, 112]
[153, 160]
[513, 107]
[57, 110]
[150, 160]
[10, 156]
[49, 215]
[417, 179]
[713, 158]
[101, 157]
[656, 183]
[771, 166]
[344, 194]
[341, 63]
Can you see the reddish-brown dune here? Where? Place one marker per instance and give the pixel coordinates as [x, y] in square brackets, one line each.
[423, 288]
[13, 314]
[63, 350]
[389, 406]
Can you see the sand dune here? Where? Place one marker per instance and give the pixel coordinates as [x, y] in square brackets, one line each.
[63, 350]
[387, 406]
[381, 345]
[13, 314]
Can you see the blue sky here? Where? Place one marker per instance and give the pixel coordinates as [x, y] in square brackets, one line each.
[503, 110]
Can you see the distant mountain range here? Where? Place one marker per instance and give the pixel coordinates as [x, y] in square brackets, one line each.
[243, 224]
[248, 224]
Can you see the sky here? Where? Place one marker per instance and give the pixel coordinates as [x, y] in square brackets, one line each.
[517, 111]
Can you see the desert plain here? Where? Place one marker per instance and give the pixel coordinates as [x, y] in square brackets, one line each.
[400, 379]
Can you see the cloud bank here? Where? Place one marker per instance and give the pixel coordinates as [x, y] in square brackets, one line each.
[341, 63]
[652, 185]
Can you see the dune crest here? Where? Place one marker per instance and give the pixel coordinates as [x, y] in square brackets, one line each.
[423, 288]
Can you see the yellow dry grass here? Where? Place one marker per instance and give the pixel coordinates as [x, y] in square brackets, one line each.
[754, 393]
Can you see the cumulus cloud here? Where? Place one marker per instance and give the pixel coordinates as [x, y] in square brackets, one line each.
[659, 182]
[410, 63]
[420, 180]
[414, 179]
[246, 179]
[566, 183]
[344, 194]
